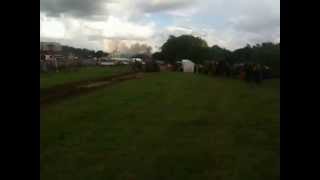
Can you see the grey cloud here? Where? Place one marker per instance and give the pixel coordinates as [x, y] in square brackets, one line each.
[241, 38]
[256, 24]
[95, 8]
[120, 38]
[255, 29]
[157, 6]
[253, 21]
[76, 8]
[95, 37]
[93, 45]
[261, 18]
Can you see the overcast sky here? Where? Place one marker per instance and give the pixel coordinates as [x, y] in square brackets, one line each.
[99, 24]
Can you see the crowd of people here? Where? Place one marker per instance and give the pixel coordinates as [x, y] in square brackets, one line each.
[144, 66]
[247, 72]
[251, 73]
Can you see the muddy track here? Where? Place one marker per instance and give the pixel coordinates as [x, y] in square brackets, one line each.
[58, 93]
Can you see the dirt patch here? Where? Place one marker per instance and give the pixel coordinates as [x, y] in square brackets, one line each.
[58, 93]
[96, 84]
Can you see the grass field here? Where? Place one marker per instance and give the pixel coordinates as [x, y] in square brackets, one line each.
[48, 80]
[165, 126]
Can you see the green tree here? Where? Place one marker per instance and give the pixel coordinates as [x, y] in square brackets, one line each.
[99, 54]
[217, 53]
[157, 56]
[266, 53]
[82, 53]
[184, 47]
[197, 50]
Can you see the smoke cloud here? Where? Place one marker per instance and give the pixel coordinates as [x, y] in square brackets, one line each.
[121, 48]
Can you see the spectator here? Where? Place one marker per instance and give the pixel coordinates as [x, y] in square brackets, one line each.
[247, 72]
[258, 73]
[242, 73]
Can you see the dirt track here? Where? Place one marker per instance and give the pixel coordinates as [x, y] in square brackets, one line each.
[58, 93]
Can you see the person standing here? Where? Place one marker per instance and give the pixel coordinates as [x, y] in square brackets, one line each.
[228, 69]
[210, 68]
[247, 69]
[242, 73]
[258, 74]
[254, 73]
[217, 68]
[196, 68]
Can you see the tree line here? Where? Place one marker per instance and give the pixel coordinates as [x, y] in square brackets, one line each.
[82, 52]
[197, 50]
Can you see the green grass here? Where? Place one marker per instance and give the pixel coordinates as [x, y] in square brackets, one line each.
[165, 126]
[51, 79]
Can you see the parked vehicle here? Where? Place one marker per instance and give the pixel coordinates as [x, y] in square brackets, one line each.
[107, 63]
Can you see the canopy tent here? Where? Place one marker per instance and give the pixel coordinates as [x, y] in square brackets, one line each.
[187, 65]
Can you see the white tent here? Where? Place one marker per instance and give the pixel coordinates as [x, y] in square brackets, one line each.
[187, 65]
